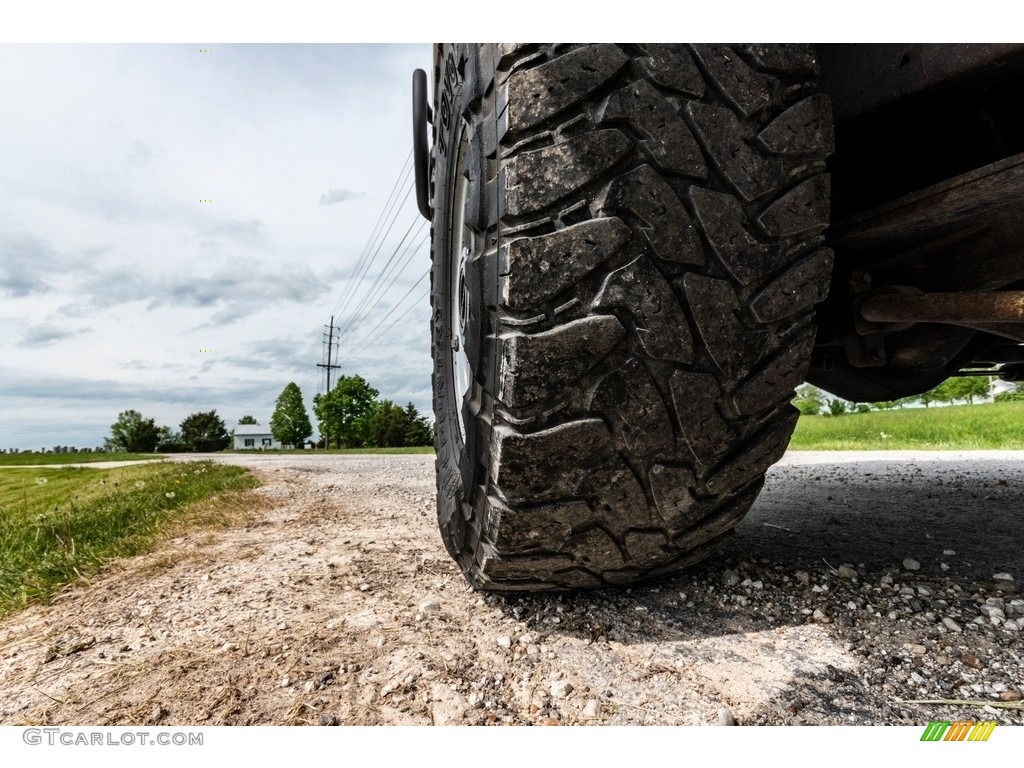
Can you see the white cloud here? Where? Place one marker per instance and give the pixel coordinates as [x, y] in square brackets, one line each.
[334, 196]
[113, 273]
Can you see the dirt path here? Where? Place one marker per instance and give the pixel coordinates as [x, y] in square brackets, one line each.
[336, 603]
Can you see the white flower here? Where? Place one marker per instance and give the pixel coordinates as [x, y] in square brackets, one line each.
[140, 484]
[169, 494]
[41, 481]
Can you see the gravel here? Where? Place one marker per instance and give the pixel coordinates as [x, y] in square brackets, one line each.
[777, 638]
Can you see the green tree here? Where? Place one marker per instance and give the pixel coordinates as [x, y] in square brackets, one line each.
[836, 407]
[344, 413]
[170, 441]
[205, 432]
[247, 419]
[290, 422]
[809, 400]
[417, 429]
[969, 387]
[387, 425]
[132, 433]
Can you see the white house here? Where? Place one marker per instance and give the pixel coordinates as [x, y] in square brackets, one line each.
[254, 437]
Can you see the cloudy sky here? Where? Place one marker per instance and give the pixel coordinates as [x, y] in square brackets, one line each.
[177, 225]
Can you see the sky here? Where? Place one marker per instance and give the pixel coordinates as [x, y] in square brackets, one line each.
[179, 222]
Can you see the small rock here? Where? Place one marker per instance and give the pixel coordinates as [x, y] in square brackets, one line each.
[310, 686]
[429, 604]
[725, 717]
[992, 612]
[730, 578]
[447, 707]
[560, 689]
[944, 566]
[948, 552]
[504, 642]
[924, 591]
[549, 721]
[364, 587]
[915, 648]
[968, 659]
[820, 615]
[229, 647]
[1010, 695]
[803, 578]
[916, 678]
[887, 580]
[911, 565]
[951, 625]
[1002, 577]
[527, 639]
[592, 708]
[326, 719]
[847, 571]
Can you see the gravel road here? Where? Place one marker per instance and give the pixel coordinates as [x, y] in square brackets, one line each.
[858, 582]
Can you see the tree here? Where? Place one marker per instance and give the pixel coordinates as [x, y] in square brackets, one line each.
[247, 419]
[808, 400]
[170, 441]
[133, 433]
[205, 432]
[417, 429]
[290, 422]
[969, 387]
[836, 407]
[387, 425]
[343, 414]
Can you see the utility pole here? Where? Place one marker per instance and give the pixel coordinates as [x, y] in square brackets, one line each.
[329, 341]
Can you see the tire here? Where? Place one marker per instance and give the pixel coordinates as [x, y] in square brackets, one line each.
[626, 257]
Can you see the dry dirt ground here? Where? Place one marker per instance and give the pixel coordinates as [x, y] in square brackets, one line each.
[334, 602]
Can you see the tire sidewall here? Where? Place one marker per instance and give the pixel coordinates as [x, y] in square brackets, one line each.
[460, 460]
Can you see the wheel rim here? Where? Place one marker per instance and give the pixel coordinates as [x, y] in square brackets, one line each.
[458, 297]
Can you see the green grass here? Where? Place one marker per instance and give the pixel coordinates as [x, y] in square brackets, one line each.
[61, 525]
[959, 427]
[19, 459]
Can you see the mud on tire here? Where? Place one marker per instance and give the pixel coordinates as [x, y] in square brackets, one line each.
[626, 257]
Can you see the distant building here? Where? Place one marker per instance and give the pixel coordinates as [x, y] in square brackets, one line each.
[254, 437]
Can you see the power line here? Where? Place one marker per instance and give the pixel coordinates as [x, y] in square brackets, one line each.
[363, 311]
[368, 340]
[390, 210]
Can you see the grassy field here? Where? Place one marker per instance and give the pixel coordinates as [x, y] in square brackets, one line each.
[60, 525]
[957, 427]
[20, 459]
